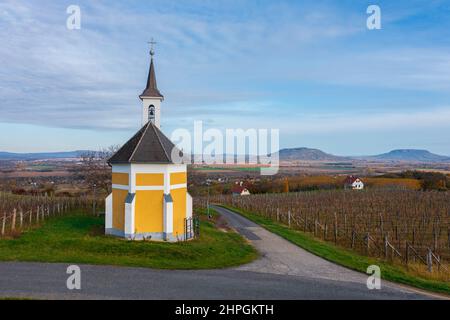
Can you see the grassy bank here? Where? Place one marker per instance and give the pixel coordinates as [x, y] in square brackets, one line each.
[79, 238]
[346, 257]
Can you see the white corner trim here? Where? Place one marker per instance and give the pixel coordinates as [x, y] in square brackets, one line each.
[108, 211]
[188, 205]
[129, 217]
[148, 168]
[175, 168]
[149, 188]
[121, 168]
[178, 186]
[120, 187]
[168, 217]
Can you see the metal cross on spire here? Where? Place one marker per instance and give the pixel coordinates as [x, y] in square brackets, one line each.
[152, 43]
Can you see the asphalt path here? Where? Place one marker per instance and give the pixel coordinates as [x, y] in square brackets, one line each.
[284, 271]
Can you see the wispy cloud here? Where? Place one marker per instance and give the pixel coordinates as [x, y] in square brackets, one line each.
[226, 62]
[91, 77]
[353, 123]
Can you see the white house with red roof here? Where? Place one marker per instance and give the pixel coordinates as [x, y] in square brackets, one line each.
[239, 190]
[352, 182]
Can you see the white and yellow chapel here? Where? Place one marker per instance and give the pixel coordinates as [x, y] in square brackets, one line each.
[149, 198]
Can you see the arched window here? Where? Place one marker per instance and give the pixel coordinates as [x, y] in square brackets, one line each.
[151, 113]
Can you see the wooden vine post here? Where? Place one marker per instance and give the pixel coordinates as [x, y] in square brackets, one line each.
[385, 246]
[430, 260]
[335, 228]
[21, 218]
[353, 238]
[406, 253]
[367, 242]
[4, 223]
[13, 223]
[289, 218]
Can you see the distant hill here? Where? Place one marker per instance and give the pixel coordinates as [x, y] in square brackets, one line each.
[288, 154]
[411, 155]
[307, 154]
[40, 156]
[415, 155]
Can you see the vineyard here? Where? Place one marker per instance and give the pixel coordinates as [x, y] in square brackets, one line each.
[403, 225]
[18, 213]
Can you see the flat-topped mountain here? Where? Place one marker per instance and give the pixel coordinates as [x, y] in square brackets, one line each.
[411, 155]
[307, 154]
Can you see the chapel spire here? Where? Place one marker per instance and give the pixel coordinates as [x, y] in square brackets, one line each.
[151, 90]
[151, 97]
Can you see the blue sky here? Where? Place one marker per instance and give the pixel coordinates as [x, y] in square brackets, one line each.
[310, 68]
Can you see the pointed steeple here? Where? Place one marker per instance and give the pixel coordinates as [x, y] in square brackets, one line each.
[151, 97]
[152, 89]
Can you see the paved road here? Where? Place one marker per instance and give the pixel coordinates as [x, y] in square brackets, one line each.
[279, 256]
[284, 272]
[48, 281]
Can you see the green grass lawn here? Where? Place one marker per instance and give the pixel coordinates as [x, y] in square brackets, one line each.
[346, 257]
[79, 238]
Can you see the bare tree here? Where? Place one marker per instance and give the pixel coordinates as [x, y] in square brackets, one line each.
[95, 171]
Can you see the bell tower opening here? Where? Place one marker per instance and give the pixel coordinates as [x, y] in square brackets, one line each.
[151, 113]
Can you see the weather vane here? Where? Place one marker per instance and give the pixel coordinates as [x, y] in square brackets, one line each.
[152, 43]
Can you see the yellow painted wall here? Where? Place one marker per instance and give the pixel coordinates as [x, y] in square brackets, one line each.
[179, 210]
[119, 197]
[178, 178]
[149, 212]
[150, 179]
[120, 178]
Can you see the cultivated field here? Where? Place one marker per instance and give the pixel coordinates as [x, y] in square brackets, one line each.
[18, 212]
[397, 225]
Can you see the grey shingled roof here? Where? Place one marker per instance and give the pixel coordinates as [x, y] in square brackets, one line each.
[148, 145]
[152, 88]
